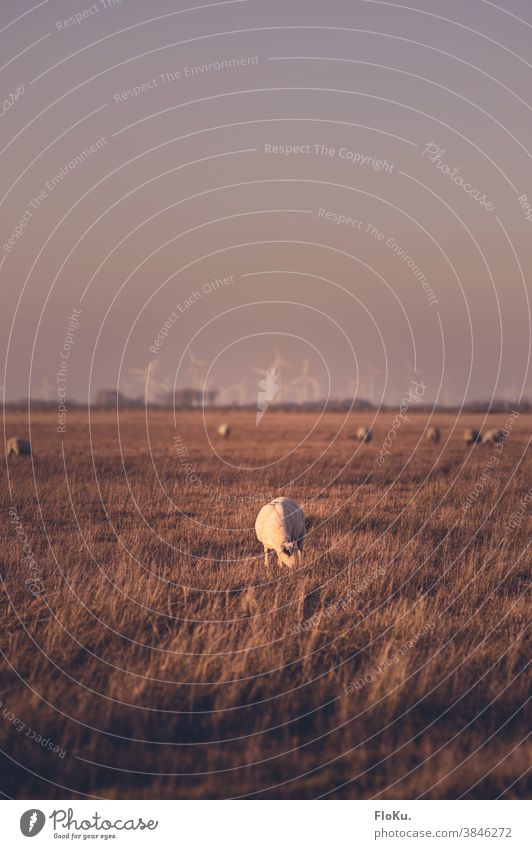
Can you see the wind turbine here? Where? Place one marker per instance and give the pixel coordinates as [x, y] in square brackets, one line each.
[511, 395]
[135, 377]
[373, 371]
[194, 369]
[448, 390]
[223, 396]
[277, 364]
[305, 381]
[144, 379]
[274, 367]
[412, 373]
[316, 385]
[209, 392]
[352, 386]
[158, 388]
[46, 390]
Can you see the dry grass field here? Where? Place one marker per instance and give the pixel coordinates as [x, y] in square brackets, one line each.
[149, 643]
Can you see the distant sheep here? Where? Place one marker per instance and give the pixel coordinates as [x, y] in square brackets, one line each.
[224, 430]
[20, 447]
[364, 434]
[433, 434]
[280, 527]
[471, 437]
[492, 437]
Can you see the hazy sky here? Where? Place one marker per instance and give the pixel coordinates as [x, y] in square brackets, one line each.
[355, 175]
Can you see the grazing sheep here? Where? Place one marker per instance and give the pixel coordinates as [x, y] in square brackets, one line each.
[492, 437]
[224, 430]
[364, 434]
[471, 437]
[17, 445]
[433, 434]
[280, 527]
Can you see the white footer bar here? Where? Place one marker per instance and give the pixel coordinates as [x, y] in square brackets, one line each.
[268, 824]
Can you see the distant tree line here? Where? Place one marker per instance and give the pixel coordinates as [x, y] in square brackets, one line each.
[189, 398]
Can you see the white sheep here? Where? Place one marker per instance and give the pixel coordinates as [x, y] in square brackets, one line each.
[471, 437]
[492, 437]
[17, 445]
[433, 434]
[364, 434]
[224, 430]
[280, 527]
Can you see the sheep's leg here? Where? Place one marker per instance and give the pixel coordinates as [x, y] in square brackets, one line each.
[266, 558]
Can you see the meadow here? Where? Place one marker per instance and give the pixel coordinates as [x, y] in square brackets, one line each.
[144, 637]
